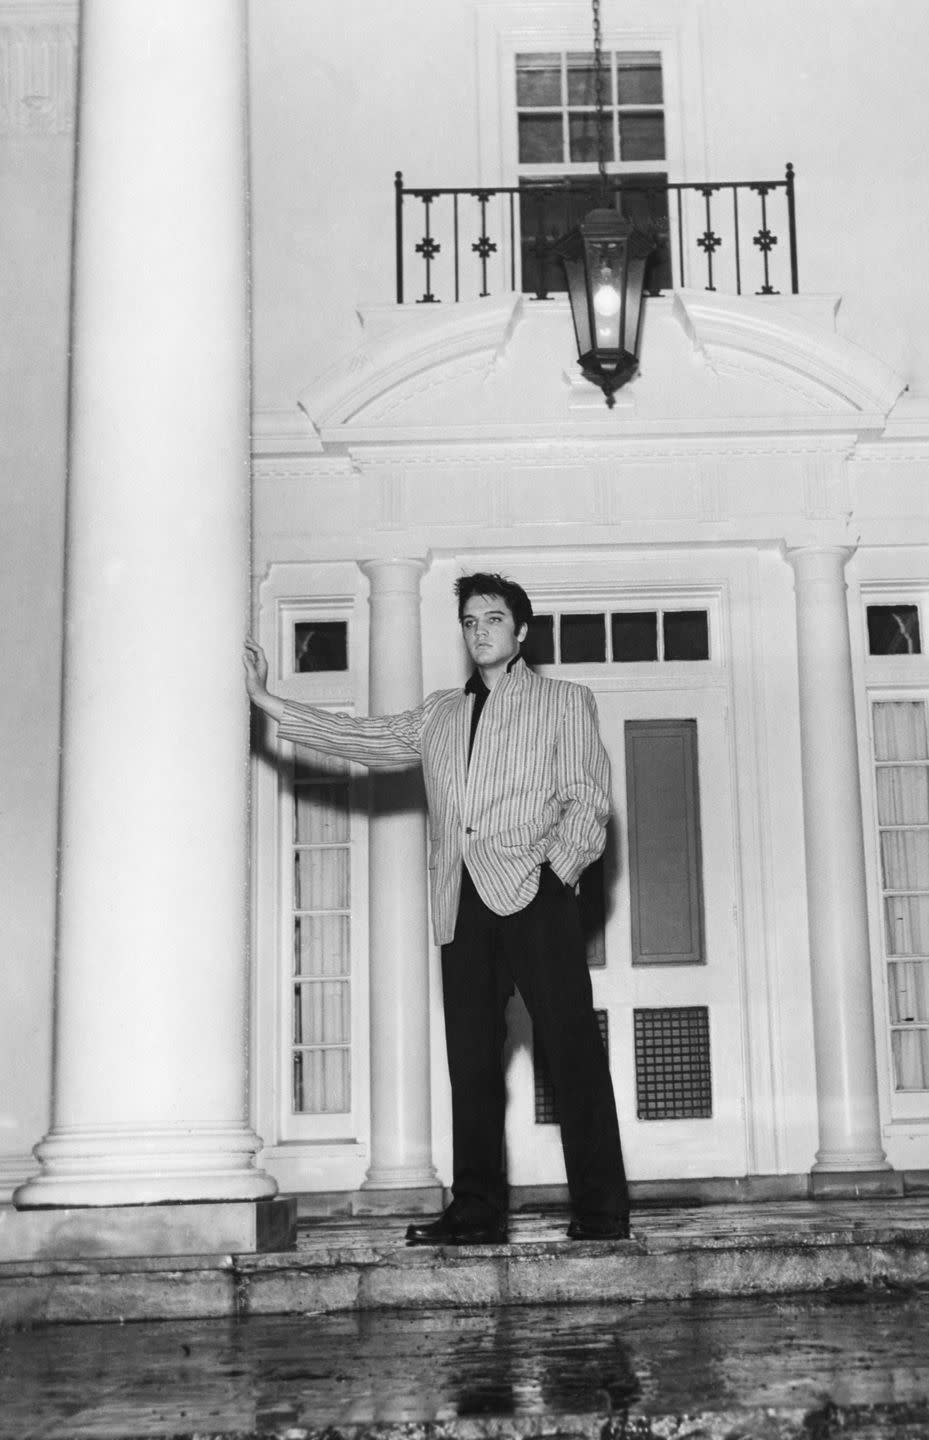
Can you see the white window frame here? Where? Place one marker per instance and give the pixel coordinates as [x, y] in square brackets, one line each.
[315, 688]
[508, 29]
[887, 678]
[305, 1152]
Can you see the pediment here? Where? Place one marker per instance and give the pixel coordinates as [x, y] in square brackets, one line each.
[506, 368]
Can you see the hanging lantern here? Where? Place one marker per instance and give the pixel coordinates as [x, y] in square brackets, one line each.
[604, 260]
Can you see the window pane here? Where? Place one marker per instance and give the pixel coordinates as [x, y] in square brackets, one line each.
[908, 985]
[893, 630]
[321, 945]
[583, 637]
[539, 644]
[321, 645]
[911, 1059]
[641, 135]
[582, 138]
[639, 78]
[322, 1081]
[540, 140]
[322, 1012]
[582, 80]
[321, 880]
[686, 635]
[321, 814]
[900, 730]
[906, 919]
[903, 795]
[635, 635]
[538, 80]
[905, 858]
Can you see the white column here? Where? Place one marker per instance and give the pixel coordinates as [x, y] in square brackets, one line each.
[401, 1108]
[843, 1018]
[150, 1085]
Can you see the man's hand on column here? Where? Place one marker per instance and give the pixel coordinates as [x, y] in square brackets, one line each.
[256, 680]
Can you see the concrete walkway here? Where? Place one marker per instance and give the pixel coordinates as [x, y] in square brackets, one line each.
[363, 1264]
[841, 1363]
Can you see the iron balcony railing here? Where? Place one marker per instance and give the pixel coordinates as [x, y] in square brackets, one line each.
[721, 235]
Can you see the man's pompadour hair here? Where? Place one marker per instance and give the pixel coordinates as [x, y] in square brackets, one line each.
[481, 583]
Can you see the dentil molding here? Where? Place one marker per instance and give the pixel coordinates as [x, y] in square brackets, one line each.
[38, 69]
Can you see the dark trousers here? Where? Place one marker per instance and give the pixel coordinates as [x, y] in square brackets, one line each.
[541, 951]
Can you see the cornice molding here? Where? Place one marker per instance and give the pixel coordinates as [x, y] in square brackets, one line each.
[398, 342]
[38, 69]
[794, 335]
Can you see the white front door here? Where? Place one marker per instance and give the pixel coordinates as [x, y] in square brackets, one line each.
[666, 973]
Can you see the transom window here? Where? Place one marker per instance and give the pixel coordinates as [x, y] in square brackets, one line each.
[618, 637]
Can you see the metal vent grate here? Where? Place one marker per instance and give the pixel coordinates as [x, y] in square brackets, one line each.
[545, 1110]
[672, 1064]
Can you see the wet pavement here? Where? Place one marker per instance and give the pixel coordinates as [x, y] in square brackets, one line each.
[843, 1362]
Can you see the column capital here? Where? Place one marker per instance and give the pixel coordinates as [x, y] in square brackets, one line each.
[807, 559]
[395, 572]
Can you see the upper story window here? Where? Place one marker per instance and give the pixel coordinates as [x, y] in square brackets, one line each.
[556, 98]
[557, 139]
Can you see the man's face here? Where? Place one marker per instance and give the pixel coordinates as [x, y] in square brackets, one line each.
[490, 632]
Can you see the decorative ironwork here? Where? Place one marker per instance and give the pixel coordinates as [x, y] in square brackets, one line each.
[428, 247]
[765, 239]
[709, 241]
[484, 247]
[480, 241]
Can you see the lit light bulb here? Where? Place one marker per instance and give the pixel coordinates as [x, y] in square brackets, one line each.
[606, 301]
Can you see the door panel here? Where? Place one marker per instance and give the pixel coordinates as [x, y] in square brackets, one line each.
[678, 1014]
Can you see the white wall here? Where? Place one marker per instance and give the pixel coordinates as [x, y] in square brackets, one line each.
[35, 179]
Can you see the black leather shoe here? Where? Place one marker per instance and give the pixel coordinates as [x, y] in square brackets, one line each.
[617, 1229]
[450, 1229]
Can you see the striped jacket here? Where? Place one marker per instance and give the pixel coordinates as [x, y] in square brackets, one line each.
[537, 787]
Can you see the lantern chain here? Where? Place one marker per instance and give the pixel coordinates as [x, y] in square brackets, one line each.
[599, 89]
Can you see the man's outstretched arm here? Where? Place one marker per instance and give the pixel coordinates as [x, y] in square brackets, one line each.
[376, 740]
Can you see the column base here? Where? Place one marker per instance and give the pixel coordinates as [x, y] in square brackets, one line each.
[400, 1200]
[118, 1166]
[152, 1230]
[401, 1177]
[856, 1184]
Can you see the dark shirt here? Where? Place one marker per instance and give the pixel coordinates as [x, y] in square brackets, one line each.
[479, 690]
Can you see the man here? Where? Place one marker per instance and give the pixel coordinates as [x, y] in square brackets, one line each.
[517, 786]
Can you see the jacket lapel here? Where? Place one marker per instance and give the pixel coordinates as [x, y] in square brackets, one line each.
[459, 757]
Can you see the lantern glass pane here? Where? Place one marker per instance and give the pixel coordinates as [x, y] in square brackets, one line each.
[605, 260]
[635, 281]
[577, 291]
[641, 135]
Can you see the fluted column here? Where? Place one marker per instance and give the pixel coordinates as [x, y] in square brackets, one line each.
[843, 1018]
[401, 1109]
[150, 1084]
